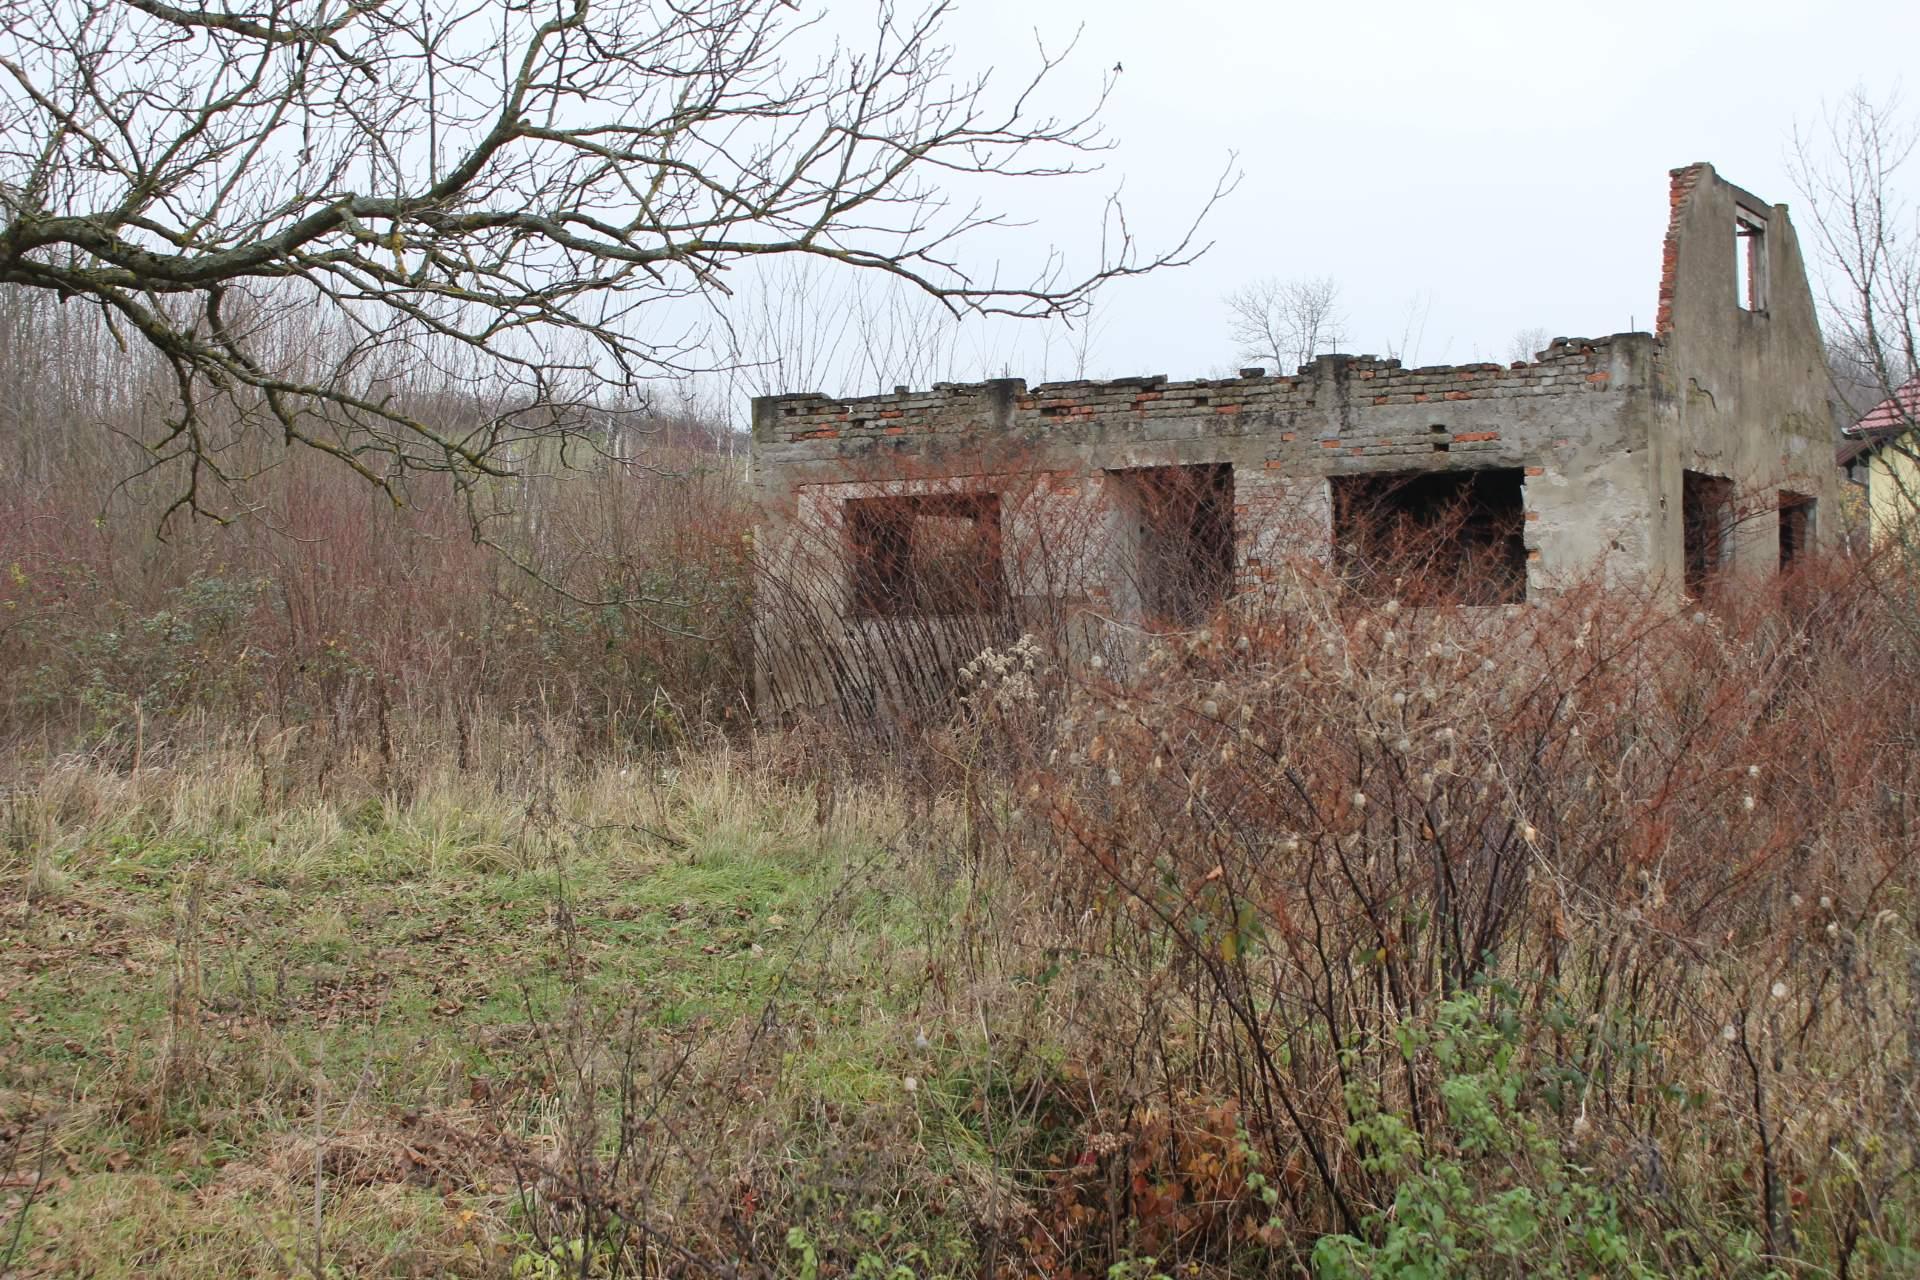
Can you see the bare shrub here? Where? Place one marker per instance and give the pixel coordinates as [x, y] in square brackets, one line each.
[1673, 838]
[325, 611]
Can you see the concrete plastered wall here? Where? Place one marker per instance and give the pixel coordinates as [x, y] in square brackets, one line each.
[1742, 393]
[1572, 420]
[1600, 429]
[1893, 490]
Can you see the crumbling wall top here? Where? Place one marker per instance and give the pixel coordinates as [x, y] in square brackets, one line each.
[1007, 406]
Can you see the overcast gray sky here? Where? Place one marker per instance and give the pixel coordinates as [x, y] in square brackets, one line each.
[1494, 166]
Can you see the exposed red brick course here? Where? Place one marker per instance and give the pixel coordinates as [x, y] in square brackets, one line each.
[1679, 191]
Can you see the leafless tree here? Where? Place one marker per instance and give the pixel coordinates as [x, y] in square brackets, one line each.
[904, 337]
[789, 325]
[1854, 174]
[1526, 344]
[1283, 324]
[1850, 368]
[801, 325]
[504, 193]
[1084, 340]
[1413, 329]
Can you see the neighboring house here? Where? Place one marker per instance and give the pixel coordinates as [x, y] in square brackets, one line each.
[1882, 453]
[900, 534]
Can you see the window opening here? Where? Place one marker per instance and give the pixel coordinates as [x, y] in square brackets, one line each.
[1796, 527]
[1448, 537]
[1750, 260]
[926, 555]
[1183, 527]
[1706, 512]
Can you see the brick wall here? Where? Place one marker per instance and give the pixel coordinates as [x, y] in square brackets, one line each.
[1599, 431]
[1324, 406]
[1680, 190]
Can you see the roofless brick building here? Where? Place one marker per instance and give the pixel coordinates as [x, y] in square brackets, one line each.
[1693, 458]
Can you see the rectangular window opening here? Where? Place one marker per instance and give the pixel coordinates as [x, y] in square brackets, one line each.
[1796, 527]
[926, 555]
[1449, 537]
[1183, 534]
[1706, 514]
[1750, 260]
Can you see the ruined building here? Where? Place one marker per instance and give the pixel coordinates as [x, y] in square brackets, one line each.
[1693, 458]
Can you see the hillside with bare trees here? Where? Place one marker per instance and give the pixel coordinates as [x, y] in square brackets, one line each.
[418, 857]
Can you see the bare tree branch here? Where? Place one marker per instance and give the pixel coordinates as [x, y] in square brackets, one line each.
[1853, 176]
[525, 182]
[1283, 324]
[1527, 344]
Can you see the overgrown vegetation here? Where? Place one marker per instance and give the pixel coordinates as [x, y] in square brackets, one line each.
[1340, 938]
[380, 902]
[328, 614]
[375, 907]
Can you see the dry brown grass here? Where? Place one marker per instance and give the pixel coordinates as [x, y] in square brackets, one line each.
[1065, 972]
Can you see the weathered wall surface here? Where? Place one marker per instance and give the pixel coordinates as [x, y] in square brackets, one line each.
[1893, 491]
[1600, 429]
[1741, 393]
[1572, 420]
